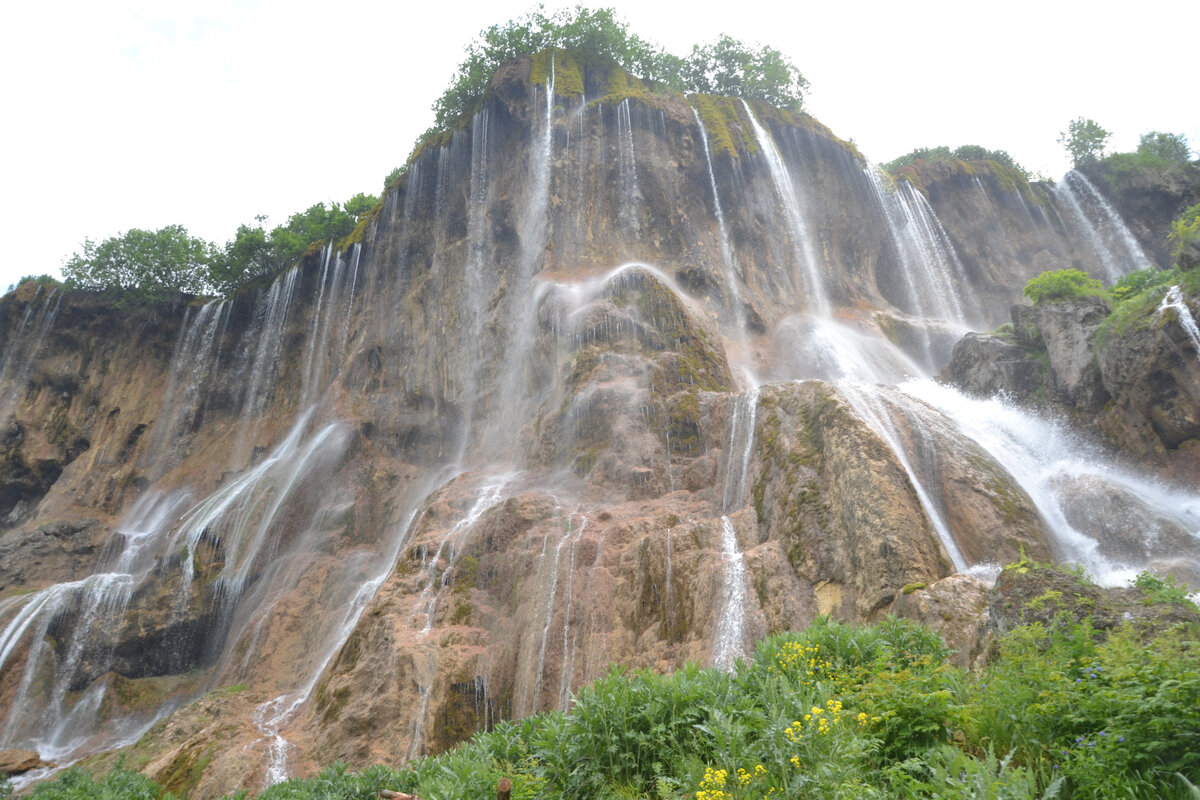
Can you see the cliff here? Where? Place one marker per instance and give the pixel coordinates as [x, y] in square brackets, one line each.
[612, 376]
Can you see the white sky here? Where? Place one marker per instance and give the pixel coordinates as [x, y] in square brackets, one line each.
[124, 114]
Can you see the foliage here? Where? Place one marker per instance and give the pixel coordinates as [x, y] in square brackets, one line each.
[1185, 233]
[78, 784]
[598, 38]
[730, 68]
[1084, 141]
[966, 152]
[335, 782]
[1060, 285]
[148, 264]
[6, 789]
[1160, 589]
[1172, 147]
[142, 266]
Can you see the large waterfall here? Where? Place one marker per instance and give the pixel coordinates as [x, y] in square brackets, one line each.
[581, 394]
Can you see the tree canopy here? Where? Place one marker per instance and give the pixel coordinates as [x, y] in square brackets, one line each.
[149, 265]
[726, 66]
[1084, 141]
[1171, 147]
[966, 152]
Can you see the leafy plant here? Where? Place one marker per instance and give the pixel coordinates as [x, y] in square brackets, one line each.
[1171, 147]
[1185, 233]
[1060, 285]
[1084, 141]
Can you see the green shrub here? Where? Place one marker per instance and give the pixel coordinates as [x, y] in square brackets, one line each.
[1185, 233]
[1060, 285]
[77, 784]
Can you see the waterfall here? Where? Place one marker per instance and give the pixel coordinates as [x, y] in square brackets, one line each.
[797, 226]
[868, 403]
[192, 365]
[265, 339]
[1101, 226]
[933, 276]
[1046, 461]
[727, 258]
[729, 640]
[23, 350]
[1174, 302]
[628, 197]
[478, 286]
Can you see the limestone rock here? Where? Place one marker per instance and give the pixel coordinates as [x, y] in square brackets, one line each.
[16, 762]
[1067, 329]
[987, 365]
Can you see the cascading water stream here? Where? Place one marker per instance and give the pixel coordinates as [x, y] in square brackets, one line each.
[806, 257]
[1101, 226]
[1174, 302]
[1046, 461]
[23, 350]
[729, 640]
[935, 280]
[629, 199]
[266, 340]
[868, 403]
[732, 279]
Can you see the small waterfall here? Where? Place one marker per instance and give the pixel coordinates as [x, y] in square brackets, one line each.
[936, 283]
[265, 339]
[729, 641]
[1048, 463]
[568, 663]
[436, 575]
[869, 404]
[727, 257]
[806, 257]
[1101, 226]
[629, 198]
[478, 287]
[1174, 302]
[23, 350]
[192, 365]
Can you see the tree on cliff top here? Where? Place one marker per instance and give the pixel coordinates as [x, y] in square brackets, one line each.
[153, 264]
[1084, 140]
[596, 36]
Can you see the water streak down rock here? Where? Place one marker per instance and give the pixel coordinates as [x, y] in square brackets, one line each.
[450, 474]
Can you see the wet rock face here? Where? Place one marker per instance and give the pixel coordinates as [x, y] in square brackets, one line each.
[1153, 370]
[986, 365]
[1066, 330]
[1140, 384]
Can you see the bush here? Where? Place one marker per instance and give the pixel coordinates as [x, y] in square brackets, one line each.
[1060, 285]
[1185, 233]
[78, 784]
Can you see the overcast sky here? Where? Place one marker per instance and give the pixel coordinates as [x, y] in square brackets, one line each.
[206, 113]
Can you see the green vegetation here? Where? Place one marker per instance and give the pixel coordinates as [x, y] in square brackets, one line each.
[140, 266]
[1084, 141]
[77, 784]
[967, 152]
[597, 39]
[1060, 285]
[1185, 234]
[1170, 147]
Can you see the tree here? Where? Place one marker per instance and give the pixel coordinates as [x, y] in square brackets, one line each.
[1084, 140]
[1171, 147]
[151, 264]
